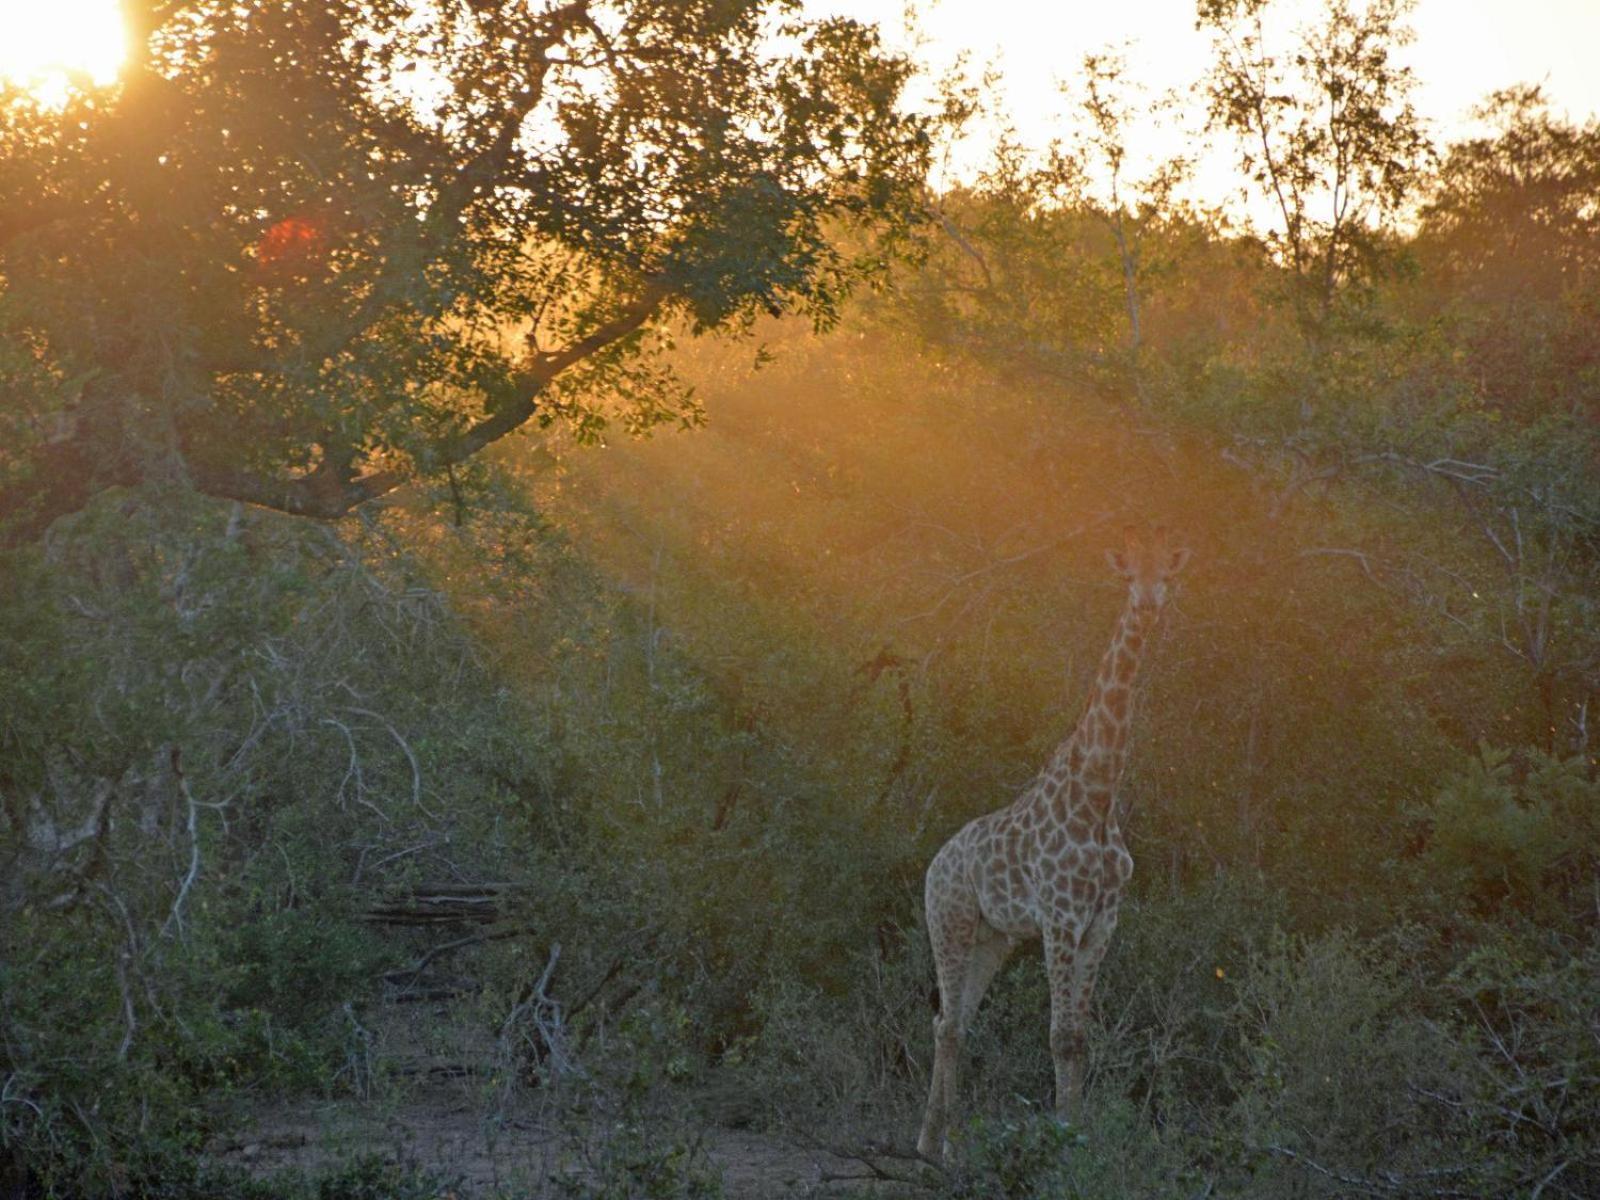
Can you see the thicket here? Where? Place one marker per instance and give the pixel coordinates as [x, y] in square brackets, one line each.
[701, 708]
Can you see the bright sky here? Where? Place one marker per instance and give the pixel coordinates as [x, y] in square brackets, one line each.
[43, 37]
[1464, 49]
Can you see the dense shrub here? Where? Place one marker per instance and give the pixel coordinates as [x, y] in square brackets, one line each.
[706, 706]
[1504, 834]
[220, 747]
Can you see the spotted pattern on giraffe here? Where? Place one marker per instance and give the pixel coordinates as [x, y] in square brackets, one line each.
[1051, 865]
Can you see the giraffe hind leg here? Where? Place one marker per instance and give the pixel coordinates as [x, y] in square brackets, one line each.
[962, 984]
[952, 930]
[990, 949]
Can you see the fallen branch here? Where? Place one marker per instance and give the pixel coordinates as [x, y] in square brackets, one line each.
[1391, 1183]
[416, 969]
[866, 1156]
[648, 937]
[543, 1012]
[436, 904]
[430, 914]
[1543, 1183]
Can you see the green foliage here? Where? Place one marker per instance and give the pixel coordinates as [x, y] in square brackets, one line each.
[1165, 1034]
[1334, 1056]
[706, 706]
[631, 1164]
[1108, 1155]
[1526, 1015]
[221, 736]
[1524, 836]
[300, 965]
[1018, 1159]
[852, 1053]
[1326, 136]
[347, 280]
[1342, 358]
[366, 1177]
[184, 1177]
[372, 1178]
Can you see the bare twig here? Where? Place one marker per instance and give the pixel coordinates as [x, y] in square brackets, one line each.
[353, 769]
[1390, 1183]
[7, 1098]
[416, 771]
[124, 985]
[1360, 556]
[1370, 1186]
[43, 834]
[544, 1013]
[965, 246]
[362, 865]
[413, 972]
[994, 564]
[647, 937]
[175, 917]
[1539, 1188]
[866, 1156]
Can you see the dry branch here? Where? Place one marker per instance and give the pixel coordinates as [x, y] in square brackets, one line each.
[411, 973]
[441, 904]
[869, 1157]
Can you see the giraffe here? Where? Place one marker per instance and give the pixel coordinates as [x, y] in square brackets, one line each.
[1051, 865]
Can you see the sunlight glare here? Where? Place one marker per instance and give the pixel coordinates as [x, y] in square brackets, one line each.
[41, 45]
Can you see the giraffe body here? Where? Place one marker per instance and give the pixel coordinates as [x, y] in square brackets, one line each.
[1051, 865]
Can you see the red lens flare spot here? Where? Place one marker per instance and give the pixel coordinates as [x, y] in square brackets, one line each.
[293, 241]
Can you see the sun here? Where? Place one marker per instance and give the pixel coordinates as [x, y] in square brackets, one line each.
[43, 44]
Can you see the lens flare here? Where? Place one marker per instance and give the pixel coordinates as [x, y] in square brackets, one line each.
[42, 46]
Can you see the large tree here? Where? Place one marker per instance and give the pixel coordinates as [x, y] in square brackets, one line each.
[1326, 135]
[303, 253]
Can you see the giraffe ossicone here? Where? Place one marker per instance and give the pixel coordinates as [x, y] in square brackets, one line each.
[1050, 865]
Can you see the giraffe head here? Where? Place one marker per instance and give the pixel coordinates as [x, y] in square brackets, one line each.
[1147, 567]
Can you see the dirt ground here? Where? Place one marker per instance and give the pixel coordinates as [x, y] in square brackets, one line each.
[439, 1111]
[482, 1160]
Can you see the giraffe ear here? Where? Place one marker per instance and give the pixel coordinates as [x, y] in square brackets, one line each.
[1178, 560]
[1118, 562]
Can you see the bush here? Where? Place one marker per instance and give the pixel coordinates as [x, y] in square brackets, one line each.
[630, 1164]
[222, 740]
[1525, 835]
[862, 1051]
[1524, 1102]
[1335, 1058]
[1019, 1158]
[1110, 1154]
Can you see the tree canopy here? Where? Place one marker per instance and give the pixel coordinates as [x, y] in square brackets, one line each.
[296, 809]
[304, 253]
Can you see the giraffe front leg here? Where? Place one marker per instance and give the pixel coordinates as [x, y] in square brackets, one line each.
[1068, 1020]
[942, 1087]
[1091, 953]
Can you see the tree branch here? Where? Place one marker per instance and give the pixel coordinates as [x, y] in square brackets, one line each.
[66, 473]
[494, 158]
[331, 491]
[18, 219]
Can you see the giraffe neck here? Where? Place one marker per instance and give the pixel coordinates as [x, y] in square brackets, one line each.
[1091, 759]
